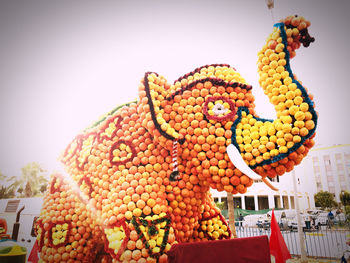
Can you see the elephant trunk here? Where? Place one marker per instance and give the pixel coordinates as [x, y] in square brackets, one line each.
[296, 117]
[273, 147]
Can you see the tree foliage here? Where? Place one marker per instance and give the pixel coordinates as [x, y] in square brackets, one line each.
[221, 205]
[345, 198]
[6, 192]
[325, 199]
[32, 182]
[8, 189]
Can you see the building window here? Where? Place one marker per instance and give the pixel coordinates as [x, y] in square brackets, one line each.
[249, 203]
[292, 204]
[224, 200]
[263, 202]
[285, 202]
[327, 160]
[276, 179]
[332, 189]
[12, 206]
[278, 203]
[340, 167]
[237, 201]
[316, 169]
[318, 178]
[338, 157]
[319, 186]
[330, 178]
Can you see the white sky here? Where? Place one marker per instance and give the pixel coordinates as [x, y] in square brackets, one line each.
[65, 63]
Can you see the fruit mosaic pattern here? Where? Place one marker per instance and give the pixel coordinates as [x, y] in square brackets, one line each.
[139, 178]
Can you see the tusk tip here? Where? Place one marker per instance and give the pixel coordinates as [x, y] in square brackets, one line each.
[269, 184]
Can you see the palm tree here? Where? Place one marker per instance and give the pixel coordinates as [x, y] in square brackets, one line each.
[32, 182]
[7, 191]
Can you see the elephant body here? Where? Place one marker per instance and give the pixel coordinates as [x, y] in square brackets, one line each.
[139, 178]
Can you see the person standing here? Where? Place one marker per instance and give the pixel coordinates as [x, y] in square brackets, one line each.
[240, 218]
[330, 219]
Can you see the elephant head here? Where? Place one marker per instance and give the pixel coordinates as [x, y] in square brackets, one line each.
[210, 113]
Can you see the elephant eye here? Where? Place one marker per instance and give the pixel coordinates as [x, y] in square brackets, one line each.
[219, 108]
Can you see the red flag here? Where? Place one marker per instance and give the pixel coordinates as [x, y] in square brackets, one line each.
[278, 247]
[33, 257]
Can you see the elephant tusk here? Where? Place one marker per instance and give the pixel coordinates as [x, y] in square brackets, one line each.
[239, 163]
[269, 184]
[237, 160]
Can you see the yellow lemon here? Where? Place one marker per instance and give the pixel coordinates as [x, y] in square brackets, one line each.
[263, 131]
[280, 134]
[159, 241]
[299, 116]
[152, 243]
[293, 110]
[271, 131]
[281, 142]
[299, 124]
[216, 234]
[304, 107]
[255, 144]
[304, 131]
[283, 149]
[295, 130]
[296, 138]
[279, 47]
[156, 250]
[273, 138]
[290, 145]
[274, 64]
[263, 140]
[266, 156]
[274, 152]
[292, 86]
[262, 148]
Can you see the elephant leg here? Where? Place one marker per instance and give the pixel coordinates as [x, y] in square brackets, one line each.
[212, 225]
[66, 229]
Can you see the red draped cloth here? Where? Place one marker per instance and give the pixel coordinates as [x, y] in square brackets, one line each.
[239, 250]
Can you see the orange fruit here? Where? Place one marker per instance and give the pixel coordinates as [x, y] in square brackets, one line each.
[146, 210]
[151, 202]
[131, 245]
[244, 179]
[235, 180]
[140, 204]
[128, 215]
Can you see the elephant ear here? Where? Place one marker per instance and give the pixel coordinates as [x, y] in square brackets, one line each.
[157, 89]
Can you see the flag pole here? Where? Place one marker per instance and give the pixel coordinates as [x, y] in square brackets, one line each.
[270, 5]
[300, 232]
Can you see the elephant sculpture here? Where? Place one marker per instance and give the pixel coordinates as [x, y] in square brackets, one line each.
[139, 178]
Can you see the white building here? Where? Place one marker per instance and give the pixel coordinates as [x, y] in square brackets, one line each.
[330, 166]
[325, 168]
